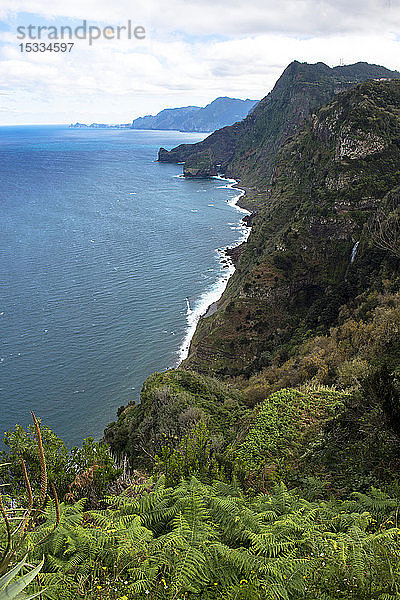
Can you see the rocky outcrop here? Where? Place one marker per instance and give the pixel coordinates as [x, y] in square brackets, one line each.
[358, 145]
[247, 150]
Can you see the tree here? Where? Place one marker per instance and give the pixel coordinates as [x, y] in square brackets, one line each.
[385, 232]
[18, 523]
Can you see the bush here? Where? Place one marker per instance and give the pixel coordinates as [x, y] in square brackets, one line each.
[195, 455]
[79, 472]
[286, 422]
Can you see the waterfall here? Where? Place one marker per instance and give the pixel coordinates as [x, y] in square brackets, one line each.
[354, 252]
[352, 258]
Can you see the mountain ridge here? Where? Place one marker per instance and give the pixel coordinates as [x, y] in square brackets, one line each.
[246, 150]
[218, 113]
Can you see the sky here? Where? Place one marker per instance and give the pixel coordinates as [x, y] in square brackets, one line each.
[193, 52]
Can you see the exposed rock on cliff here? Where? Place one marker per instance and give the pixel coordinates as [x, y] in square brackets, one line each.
[247, 150]
[294, 273]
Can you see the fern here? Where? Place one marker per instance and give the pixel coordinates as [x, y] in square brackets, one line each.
[209, 542]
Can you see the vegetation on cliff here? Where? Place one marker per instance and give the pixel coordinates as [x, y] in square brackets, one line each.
[171, 403]
[268, 465]
[247, 150]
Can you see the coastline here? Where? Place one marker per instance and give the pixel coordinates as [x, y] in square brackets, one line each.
[208, 301]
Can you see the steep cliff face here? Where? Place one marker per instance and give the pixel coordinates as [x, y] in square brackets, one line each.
[298, 268]
[314, 302]
[247, 150]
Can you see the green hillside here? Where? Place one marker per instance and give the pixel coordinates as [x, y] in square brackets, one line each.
[267, 466]
[247, 150]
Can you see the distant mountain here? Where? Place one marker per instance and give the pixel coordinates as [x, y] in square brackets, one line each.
[99, 126]
[219, 113]
[247, 150]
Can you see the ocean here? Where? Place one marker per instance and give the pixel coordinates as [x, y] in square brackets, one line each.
[107, 260]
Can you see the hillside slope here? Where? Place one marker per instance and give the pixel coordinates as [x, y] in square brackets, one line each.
[246, 150]
[311, 250]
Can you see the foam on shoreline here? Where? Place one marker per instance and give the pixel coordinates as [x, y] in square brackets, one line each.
[210, 296]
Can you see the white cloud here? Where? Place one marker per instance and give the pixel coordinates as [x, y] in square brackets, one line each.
[302, 17]
[196, 51]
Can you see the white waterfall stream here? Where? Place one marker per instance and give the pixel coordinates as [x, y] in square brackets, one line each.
[354, 252]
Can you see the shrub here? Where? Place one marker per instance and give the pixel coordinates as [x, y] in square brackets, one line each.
[283, 426]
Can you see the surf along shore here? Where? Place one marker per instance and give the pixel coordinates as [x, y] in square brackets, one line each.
[228, 257]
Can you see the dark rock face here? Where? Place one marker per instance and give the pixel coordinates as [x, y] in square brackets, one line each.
[165, 156]
[201, 172]
[235, 253]
[246, 150]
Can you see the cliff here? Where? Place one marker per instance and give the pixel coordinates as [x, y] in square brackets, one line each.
[314, 302]
[247, 150]
[295, 273]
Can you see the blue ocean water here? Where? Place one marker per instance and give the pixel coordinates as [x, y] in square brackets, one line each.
[107, 258]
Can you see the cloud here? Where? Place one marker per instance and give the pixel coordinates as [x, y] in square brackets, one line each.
[225, 17]
[195, 52]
